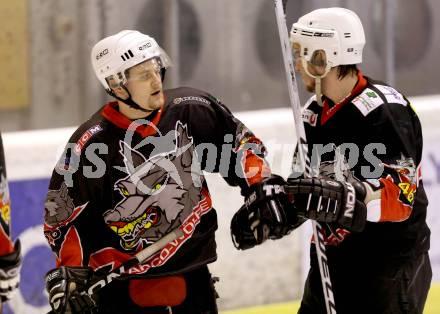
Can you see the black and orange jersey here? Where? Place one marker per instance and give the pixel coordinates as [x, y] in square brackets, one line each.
[6, 245]
[121, 185]
[379, 135]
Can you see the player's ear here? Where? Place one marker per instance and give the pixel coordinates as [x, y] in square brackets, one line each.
[117, 88]
[120, 91]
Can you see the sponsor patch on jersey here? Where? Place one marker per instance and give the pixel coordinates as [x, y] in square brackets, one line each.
[86, 137]
[310, 117]
[179, 100]
[367, 101]
[392, 95]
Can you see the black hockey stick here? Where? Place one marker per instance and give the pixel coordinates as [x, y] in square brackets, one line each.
[102, 281]
[304, 160]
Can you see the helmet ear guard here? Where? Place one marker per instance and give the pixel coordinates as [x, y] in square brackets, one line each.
[319, 62]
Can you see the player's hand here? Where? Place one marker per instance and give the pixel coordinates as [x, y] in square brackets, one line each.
[330, 201]
[66, 286]
[266, 214]
[10, 272]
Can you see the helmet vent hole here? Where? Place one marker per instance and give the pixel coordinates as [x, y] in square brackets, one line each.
[347, 35]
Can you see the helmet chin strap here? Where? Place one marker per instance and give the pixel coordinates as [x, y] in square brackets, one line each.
[318, 80]
[129, 101]
[318, 89]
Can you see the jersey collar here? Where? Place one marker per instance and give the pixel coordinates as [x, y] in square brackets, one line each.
[112, 114]
[328, 112]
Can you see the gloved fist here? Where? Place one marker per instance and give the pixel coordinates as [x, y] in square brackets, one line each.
[66, 287]
[266, 214]
[10, 273]
[242, 236]
[330, 201]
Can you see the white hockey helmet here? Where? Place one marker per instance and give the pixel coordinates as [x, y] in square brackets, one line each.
[113, 55]
[337, 31]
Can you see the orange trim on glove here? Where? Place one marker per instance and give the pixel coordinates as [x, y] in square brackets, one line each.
[255, 168]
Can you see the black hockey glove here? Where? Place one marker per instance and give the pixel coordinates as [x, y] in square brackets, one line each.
[66, 286]
[330, 201]
[10, 272]
[266, 214]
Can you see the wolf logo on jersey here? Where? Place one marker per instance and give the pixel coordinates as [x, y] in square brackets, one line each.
[157, 194]
[59, 212]
[58, 206]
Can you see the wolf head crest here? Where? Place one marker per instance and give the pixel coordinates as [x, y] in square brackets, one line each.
[158, 193]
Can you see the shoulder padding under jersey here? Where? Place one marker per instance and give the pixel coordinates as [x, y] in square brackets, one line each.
[372, 98]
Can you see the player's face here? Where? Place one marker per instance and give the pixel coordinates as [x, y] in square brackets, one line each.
[308, 81]
[145, 85]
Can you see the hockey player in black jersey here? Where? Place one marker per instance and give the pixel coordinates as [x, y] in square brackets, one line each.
[10, 256]
[132, 173]
[367, 137]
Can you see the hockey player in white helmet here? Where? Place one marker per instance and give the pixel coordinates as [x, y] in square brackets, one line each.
[112, 58]
[383, 267]
[132, 173]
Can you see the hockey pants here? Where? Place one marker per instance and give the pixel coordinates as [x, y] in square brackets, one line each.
[200, 297]
[403, 290]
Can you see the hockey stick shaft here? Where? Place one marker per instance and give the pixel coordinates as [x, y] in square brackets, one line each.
[138, 259]
[303, 155]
